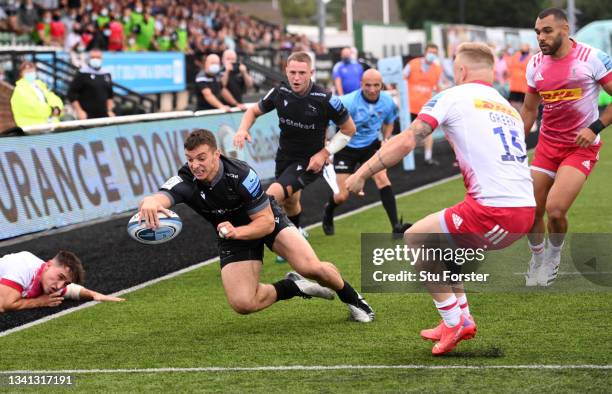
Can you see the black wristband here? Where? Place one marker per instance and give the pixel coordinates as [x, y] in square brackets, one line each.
[597, 126]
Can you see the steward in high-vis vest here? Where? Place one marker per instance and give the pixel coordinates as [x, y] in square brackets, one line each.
[32, 102]
[423, 76]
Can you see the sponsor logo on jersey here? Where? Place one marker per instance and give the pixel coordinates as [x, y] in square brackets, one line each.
[317, 94]
[497, 107]
[299, 167]
[538, 77]
[285, 102]
[252, 183]
[293, 123]
[170, 183]
[551, 96]
[235, 176]
[457, 220]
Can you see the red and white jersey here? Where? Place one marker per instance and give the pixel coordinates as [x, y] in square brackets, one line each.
[569, 88]
[487, 135]
[22, 271]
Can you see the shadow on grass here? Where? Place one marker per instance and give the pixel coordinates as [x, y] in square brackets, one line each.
[492, 352]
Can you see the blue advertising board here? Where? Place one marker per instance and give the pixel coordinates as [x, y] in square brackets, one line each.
[147, 72]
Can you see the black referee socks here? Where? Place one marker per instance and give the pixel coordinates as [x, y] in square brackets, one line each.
[388, 201]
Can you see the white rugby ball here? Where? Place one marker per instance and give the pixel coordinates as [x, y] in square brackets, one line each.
[169, 227]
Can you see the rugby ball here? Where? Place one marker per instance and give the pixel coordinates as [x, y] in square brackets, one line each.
[169, 227]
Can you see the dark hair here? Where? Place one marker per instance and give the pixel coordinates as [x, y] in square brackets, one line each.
[431, 45]
[558, 13]
[200, 137]
[70, 260]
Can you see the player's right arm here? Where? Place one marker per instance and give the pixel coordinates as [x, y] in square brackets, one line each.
[150, 205]
[247, 121]
[529, 110]
[10, 300]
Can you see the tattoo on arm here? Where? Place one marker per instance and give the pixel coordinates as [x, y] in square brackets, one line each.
[421, 130]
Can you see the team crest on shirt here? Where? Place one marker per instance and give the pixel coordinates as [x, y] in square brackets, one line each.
[457, 220]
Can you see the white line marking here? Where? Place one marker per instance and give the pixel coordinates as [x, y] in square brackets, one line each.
[305, 368]
[207, 262]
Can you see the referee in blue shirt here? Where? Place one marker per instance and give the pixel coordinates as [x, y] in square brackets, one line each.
[372, 111]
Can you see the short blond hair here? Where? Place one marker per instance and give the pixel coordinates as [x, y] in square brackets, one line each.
[476, 52]
[302, 57]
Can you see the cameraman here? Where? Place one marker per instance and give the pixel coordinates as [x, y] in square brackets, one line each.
[235, 79]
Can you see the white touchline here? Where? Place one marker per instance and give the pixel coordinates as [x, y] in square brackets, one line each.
[207, 262]
[305, 368]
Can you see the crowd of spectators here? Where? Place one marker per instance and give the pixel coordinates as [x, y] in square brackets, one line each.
[190, 26]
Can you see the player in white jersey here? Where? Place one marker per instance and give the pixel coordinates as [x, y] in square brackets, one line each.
[486, 134]
[28, 282]
[566, 76]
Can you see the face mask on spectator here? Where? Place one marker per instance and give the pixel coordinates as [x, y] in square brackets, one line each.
[107, 32]
[430, 58]
[138, 10]
[126, 19]
[30, 76]
[213, 69]
[104, 12]
[183, 26]
[95, 63]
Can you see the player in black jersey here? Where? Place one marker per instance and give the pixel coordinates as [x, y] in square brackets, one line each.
[228, 193]
[304, 111]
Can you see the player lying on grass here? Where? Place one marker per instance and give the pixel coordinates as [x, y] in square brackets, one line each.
[485, 132]
[28, 282]
[228, 193]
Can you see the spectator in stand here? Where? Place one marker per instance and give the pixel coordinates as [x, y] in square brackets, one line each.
[99, 37]
[27, 15]
[32, 102]
[91, 90]
[208, 85]
[115, 38]
[57, 30]
[235, 79]
[42, 35]
[346, 73]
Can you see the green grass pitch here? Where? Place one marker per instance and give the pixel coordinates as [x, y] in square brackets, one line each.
[185, 322]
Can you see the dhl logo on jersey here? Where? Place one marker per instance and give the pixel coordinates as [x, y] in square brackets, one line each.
[493, 106]
[551, 96]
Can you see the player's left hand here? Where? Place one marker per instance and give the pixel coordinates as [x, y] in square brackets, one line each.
[585, 138]
[227, 230]
[354, 184]
[105, 298]
[317, 162]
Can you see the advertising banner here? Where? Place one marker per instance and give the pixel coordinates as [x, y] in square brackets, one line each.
[147, 72]
[54, 180]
